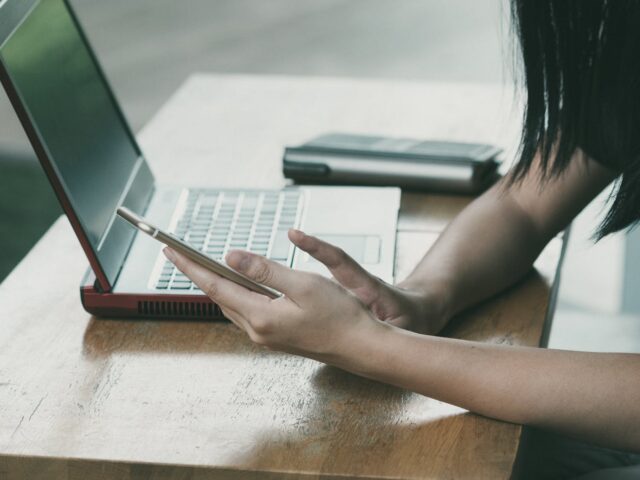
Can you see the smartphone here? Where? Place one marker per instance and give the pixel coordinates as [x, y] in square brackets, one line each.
[197, 256]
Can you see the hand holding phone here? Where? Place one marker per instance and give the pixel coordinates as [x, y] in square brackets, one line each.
[197, 256]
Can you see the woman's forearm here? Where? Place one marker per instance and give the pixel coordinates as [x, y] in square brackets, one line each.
[488, 247]
[496, 239]
[592, 396]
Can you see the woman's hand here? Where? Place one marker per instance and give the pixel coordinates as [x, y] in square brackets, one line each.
[403, 307]
[316, 317]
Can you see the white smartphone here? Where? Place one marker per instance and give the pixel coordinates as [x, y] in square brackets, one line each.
[193, 254]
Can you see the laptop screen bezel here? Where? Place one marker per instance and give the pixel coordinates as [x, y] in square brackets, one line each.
[105, 259]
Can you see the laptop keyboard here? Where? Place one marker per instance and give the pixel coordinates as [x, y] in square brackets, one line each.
[218, 221]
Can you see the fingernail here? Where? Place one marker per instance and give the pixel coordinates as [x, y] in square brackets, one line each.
[297, 233]
[170, 254]
[238, 260]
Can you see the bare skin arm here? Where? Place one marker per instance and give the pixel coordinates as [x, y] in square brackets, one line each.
[353, 324]
[495, 240]
[591, 396]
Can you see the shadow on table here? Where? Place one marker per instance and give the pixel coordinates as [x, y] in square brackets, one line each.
[103, 337]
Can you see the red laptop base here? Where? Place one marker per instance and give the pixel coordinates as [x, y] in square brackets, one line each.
[105, 304]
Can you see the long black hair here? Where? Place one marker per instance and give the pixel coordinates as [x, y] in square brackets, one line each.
[581, 66]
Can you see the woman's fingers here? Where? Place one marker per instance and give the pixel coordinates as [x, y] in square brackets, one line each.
[266, 272]
[345, 269]
[222, 291]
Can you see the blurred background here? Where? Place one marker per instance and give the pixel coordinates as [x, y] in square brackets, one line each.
[149, 47]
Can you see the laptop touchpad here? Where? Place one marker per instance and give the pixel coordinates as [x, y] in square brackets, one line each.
[364, 249]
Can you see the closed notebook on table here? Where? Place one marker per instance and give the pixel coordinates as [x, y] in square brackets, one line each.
[438, 166]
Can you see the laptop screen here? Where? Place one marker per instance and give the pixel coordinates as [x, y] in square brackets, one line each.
[73, 112]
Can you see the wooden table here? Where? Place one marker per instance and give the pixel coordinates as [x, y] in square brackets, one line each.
[83, 398]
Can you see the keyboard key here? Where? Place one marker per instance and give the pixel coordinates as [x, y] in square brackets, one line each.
[200, 227]
[250, 203]
[284, 222]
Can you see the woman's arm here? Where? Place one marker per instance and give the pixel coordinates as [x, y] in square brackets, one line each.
[591, 396]
[496, 239]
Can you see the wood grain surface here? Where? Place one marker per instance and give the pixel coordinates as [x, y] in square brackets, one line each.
[86, 398]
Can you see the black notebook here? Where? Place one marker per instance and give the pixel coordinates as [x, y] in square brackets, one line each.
[428, 165]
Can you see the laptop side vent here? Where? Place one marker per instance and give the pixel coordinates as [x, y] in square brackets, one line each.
[179, 309]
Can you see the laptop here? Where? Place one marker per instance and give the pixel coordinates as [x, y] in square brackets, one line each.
[94, 164]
